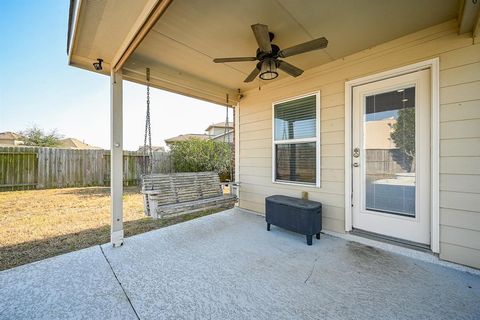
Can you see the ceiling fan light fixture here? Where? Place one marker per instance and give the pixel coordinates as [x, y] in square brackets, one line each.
[268, 70]
[268, 53]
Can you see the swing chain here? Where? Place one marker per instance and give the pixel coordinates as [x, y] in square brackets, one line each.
[226, 123]
[226, 137]
[147, 148]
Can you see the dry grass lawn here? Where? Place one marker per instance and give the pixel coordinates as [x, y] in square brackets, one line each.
[38, 224]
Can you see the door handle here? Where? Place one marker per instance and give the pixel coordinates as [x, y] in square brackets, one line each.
[355, 164]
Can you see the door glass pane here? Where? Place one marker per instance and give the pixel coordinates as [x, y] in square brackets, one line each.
[389, 152]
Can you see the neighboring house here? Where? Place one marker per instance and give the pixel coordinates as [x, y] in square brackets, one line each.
[221, 131]
[302, 132]
[72, 143]
[10, 139]
[217, 132]
[224, 137]
[378, 133]
[184, 137]
[219, 128]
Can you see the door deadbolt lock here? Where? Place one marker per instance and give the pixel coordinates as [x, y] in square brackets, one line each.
[356, 152]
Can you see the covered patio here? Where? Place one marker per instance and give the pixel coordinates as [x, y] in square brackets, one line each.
[332, 54]
[227, 266]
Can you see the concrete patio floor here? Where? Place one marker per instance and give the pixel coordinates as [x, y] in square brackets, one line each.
[227, 266]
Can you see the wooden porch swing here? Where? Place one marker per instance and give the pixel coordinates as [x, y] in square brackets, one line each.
[167, 195]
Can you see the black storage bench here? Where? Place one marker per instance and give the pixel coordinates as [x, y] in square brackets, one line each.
[297, 215]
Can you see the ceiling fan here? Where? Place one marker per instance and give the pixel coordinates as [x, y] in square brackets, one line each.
[268, 55]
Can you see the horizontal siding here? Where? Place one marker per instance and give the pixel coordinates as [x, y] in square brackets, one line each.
[461, 74]
[460, 111]
[460, 156]
[457, 58]
[332, 113]
[460, 92]
[460, 254]
[465, 147]
[460, 165]
[332, 137]
[469, 128]
[461, 201]
[459, 132]
[328, 197]
[461, 237]
[469, 183]
[459, 218]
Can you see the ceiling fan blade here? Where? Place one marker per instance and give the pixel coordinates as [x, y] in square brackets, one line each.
[316, 44]
[262, 36]
[236, 59]
[290, 69]
[252, 75]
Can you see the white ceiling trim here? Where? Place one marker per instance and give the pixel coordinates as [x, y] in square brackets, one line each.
[73, 35]
[144, 23]
[184, 84]
[469, 14]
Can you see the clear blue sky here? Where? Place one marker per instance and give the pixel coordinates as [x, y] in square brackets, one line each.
[38, 87]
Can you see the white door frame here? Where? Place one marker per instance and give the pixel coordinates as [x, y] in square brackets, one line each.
[433, 65]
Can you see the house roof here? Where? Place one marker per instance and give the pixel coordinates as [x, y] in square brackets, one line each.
[220, 125]
[72, 143]
[222, 136]
[8, 135]
[154, 148]
[184, 137]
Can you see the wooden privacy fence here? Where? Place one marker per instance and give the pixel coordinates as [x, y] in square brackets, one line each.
[23, 168]
[386, 163]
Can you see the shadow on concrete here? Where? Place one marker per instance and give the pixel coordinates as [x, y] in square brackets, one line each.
[97, 191]
[31, 251]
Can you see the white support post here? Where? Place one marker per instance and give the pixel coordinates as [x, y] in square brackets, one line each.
[116, 158]
[236, 140]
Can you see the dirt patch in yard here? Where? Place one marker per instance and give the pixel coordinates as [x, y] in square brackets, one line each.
[38, 224]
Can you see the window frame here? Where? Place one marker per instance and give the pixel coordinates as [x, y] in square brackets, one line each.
[315, 139]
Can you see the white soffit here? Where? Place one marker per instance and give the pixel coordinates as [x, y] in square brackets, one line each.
[193, 32]
[102, 27]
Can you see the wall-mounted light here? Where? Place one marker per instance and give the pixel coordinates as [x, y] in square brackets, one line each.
[268, 70]
[98, 65]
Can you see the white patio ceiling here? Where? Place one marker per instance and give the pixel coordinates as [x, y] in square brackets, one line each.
[181, 45]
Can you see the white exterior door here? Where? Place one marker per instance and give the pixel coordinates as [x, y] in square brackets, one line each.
[391, 157]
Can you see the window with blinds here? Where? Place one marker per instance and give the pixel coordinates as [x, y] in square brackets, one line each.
[296, 140]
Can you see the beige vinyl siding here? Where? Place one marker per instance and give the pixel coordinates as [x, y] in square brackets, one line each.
[459, 133]
[460, 156]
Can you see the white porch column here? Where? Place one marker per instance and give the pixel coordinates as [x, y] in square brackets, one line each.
[236, 140]
[116, 158]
